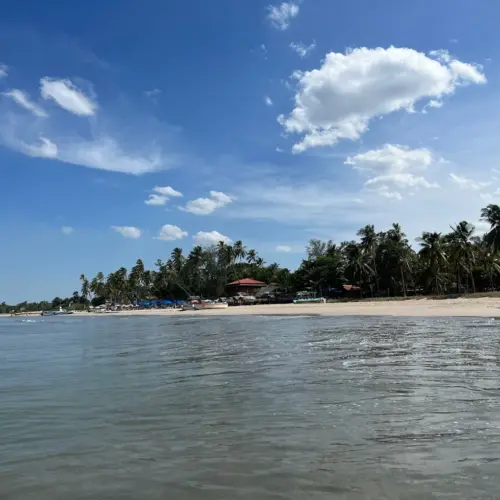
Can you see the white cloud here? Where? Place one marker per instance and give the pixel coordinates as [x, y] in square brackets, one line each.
[4, 70]
[171, 233]
[107, 154]
[68, 96]
[44, 149]
[338, 100]
[393, 164]
[301, 49]
[283, 248]
[465, 183]
[23, 100]
[128, 231]
[167, 191]
[385, 191]
[67, 230]
[156, 200]
[161, 195]
[210, 238]
[206, 206]
[268, 101]
[282, 15]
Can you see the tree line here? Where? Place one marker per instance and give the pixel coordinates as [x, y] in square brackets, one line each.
[379, 263]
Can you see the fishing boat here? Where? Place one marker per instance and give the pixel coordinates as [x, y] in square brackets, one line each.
[196, 304]
[209, 304]
[60, 312]
[308, 298]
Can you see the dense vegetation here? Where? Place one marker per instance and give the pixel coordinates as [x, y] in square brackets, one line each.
[381, 263]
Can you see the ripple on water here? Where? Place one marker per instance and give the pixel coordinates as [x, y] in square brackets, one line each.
[249, 408]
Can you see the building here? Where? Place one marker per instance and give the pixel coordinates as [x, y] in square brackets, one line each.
[246, 286]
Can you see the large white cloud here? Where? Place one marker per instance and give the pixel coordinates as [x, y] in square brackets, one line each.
[206, 206]
[68, 96]
[210, 238]
[338, 100]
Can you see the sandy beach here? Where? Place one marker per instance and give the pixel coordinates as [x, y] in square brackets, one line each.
[480, 307]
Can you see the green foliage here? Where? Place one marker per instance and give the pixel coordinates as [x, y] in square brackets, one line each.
[382, 264]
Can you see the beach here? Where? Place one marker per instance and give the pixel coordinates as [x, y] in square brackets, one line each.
[471, 307]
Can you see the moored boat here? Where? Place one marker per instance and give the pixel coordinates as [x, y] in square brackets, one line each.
[308, 298]
[61, 312]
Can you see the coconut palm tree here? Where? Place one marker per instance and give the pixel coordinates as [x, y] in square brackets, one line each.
[491, 214]
[239, 251]
[251, 256]
[462, 251]
[433, 255]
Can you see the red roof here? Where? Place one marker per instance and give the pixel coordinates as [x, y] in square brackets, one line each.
[246, 282]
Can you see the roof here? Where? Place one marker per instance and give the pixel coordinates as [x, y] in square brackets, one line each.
[247, 282]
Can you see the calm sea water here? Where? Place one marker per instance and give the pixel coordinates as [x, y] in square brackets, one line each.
[249, 408]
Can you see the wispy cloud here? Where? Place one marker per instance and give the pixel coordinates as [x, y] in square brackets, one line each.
[153, 94]
[283, 248]
[4, 71]
[23, 99]
[281, 16]
[268, 101]
[44, 148]
[67, 230]
[301, 49]
[68, 96]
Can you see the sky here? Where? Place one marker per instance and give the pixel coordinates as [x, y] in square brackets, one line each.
[130, 128]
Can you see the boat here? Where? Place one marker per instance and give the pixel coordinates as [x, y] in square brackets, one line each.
[306, 297]
[209, 304]
[196, 304]
[60, 312]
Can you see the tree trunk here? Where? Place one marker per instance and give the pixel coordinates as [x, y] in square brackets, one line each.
[403, 281]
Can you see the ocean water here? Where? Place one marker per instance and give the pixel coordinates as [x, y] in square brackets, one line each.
[250, 408]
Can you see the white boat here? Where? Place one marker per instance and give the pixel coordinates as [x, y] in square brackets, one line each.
[61, 312]
[308, 298]
[209, 304]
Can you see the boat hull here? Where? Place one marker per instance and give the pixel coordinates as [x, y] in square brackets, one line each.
[320, 300]
[205, 306]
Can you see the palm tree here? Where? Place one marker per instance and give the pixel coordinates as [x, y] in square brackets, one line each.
[491, 214]
[368, 243]
[357, 264]
[239, 250]
[85, 291]
[434, 257]
[251, 256]
[462, 252]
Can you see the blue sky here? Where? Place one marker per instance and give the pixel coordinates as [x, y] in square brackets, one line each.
[267, 122]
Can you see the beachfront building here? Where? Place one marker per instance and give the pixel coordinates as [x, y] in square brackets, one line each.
[245, 286]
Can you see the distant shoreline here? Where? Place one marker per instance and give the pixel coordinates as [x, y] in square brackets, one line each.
[479, 307]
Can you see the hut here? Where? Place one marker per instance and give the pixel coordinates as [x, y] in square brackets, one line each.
[246, 286]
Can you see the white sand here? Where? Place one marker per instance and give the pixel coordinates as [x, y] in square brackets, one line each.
[482, 307]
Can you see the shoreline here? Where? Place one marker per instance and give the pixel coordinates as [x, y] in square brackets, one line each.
[470, 307]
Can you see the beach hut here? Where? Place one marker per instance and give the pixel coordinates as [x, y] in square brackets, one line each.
[246, 286]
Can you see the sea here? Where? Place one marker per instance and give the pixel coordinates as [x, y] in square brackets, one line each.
[250, 408]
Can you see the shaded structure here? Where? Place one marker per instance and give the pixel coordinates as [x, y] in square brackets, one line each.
[246, 286]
